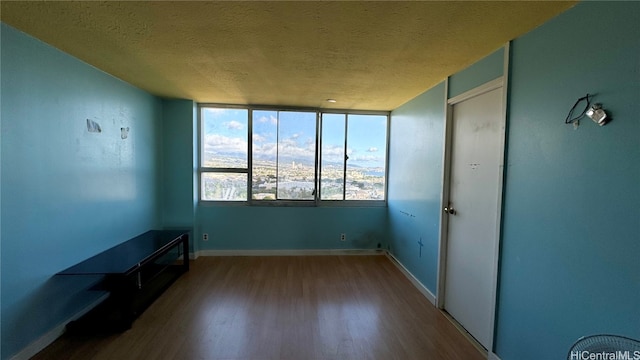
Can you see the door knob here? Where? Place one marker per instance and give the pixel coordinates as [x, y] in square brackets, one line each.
[450, 210]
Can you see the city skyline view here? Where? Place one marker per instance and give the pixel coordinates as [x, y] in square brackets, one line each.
[283, 153]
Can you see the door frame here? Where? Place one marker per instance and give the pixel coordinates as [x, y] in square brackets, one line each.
[500, 82]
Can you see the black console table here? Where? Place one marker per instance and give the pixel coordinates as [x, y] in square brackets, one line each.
[135, 273]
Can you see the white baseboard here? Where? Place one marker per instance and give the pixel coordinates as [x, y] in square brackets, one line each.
[289, 252]
[423, 289]
[493, 356]
[51, 336]
[192, 256]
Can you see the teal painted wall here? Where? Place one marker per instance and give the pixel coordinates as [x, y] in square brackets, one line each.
[570, 262]
[178, 208]
[485, 70]
[177, 164]
[67, 194]
[195, 158]
[415, 169]
[415, 183]
[295, 228]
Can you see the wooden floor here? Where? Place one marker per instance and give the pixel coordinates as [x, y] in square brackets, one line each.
[315, 307]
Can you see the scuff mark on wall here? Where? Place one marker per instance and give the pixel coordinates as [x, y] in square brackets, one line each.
[407, 214]
[93, 126]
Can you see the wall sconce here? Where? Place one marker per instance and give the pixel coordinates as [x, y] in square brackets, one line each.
[595, 112]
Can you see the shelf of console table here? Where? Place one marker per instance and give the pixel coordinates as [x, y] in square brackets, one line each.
[135, 273]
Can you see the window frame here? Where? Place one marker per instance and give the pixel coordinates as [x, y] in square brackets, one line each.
[206, 169]
[316, 201]
[284, 202]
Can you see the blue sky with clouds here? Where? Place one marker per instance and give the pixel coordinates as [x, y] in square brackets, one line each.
[225, 134]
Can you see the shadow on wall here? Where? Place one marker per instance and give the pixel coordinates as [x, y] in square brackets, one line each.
[368, 240]
[59, 297]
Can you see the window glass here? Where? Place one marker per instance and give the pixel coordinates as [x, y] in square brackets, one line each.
[332, 167]
[366, 151]
[265, 155]
[296, 155]
[224, 138]
[223, 186]
[287, 160]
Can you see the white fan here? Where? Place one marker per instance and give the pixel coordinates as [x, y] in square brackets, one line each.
[610, 344]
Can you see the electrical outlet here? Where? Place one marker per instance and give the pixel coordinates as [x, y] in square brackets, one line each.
[343, 237]
[205, 237]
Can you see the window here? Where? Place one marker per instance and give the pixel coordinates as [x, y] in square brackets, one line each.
[284, 153]
[354, 157]
[224, 154]
[294, 156]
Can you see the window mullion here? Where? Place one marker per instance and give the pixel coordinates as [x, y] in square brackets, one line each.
[318, 157]
[224, 170]
[250, 155]
[346, 157]
[277, 153]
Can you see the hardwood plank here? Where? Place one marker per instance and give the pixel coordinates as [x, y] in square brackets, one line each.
[290, 307]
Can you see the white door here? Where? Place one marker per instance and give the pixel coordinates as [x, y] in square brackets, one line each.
[476, 157]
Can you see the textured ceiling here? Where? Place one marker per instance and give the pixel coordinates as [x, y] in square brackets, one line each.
[366, 55]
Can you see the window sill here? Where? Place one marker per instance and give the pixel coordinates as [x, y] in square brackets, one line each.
[302, 203]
